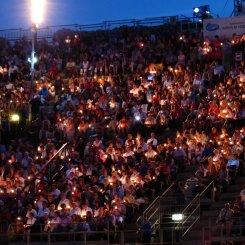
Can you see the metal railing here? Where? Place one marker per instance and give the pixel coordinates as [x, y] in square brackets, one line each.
[104, 237]
[220, 233]
[192, 213]
[211, 233]
[48, 32]
[152, 213]
[62, 153]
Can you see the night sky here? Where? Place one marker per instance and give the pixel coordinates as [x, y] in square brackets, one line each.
[15, 13]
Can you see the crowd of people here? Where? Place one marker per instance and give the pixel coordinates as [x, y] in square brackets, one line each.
[135, 108]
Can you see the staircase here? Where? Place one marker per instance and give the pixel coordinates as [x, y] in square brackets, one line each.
[152, 213]
[209, 217]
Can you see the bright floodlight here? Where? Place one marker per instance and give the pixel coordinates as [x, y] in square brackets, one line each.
[35, 59]
[196, 10]
[37, 11]
[177, 217]
[15, 118]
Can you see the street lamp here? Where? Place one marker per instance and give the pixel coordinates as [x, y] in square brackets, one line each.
[37, 14]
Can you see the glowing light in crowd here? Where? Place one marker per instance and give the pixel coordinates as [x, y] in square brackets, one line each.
[177, 217]
[35, 60]
[137, 118]
[37, 11]
[15, 118]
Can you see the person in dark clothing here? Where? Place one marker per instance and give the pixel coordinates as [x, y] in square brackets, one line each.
[145, 231]
[35, 106]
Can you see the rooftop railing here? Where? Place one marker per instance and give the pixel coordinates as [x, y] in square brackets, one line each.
[49, 31]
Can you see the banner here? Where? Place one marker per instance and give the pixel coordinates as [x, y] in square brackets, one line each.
[224, 27]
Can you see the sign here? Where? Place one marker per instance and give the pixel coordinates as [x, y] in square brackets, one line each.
[224, 27]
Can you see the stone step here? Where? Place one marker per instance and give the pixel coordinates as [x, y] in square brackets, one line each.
[229, 196]
[132, 227]
[240, 181]
[236, 188]
[192, 242]
[195, 235]
[218, 205]
[210, 213]
[184, 176]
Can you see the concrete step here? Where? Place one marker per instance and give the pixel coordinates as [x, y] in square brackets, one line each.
[218, 205]
[210, 213]
[187, 173]
[241, 181]
[132, 227]
[192, 242]
[229, 196]
[184, 176]
[195, 235]
[236, 188]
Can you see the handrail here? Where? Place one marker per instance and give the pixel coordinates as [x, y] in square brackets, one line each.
[62, 147]
[184, 221]
[209, 232]
[202, 193]
[196, 203]
[156, 199]
[198, 196]
[190, 204]
[151, 205]
[18, 33]
[53, 157]
[179, 17]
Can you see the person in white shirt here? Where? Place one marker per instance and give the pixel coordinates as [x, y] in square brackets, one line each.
[128, 152]
[152, 140]
[129, 141]
[30, 210]
[31, 220]
[75, 209]
[198, 82]
[13, 68]
[63, 200]
[150, 154]
[55, 222]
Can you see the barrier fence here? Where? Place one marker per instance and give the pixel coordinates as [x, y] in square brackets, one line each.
[182, 22]
[162, 210]
[192, 213]
[232, 231]
[212, 233]
[90, 237]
